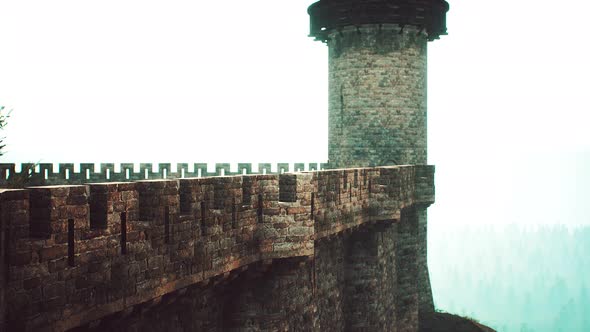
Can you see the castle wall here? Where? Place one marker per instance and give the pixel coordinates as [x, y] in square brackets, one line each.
[264, 297]
[329, 277]
[407, 283]
[195, 308]
[426, 301]
[69, 173]
[80, 255]
[370, 282]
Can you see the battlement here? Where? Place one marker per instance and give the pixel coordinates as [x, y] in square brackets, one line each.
[73, 254]
[70, 173]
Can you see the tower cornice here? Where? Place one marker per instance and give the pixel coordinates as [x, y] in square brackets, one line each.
[328, 15]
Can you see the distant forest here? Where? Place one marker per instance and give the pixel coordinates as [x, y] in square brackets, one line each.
[512, 278]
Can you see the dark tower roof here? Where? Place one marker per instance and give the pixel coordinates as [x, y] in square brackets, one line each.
[327, 15]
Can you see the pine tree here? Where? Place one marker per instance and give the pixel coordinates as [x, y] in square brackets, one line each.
[3, 118]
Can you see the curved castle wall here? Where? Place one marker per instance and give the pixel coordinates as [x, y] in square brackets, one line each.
[101, 254]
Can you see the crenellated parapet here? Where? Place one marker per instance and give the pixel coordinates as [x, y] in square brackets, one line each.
[70, 173]
[77, 253]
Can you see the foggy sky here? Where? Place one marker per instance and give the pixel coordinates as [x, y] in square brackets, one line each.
[187, 81]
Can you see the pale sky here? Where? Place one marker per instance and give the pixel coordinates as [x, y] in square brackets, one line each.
[240, 81]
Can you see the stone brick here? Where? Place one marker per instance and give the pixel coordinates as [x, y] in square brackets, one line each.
[20, 258]
[303, 263]
[31, 283]
[53, 252]
[377, 124]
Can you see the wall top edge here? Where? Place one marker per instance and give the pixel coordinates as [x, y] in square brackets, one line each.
[55, 182]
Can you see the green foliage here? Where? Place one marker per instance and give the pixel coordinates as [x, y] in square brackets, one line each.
[3, 121]
[24, 178]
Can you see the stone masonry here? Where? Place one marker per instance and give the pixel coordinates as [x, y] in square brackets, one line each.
[296, 251]
[377, 107]
[336, 250]
[70, 173]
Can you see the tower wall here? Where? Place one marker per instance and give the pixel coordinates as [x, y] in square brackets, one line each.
[426, 301]
[377, 117]
[377, 91]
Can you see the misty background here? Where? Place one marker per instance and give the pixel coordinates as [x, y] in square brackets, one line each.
[240, 81]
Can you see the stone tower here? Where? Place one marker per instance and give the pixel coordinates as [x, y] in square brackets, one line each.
[377, 93]
[377, 83]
